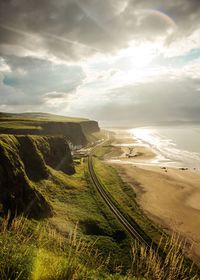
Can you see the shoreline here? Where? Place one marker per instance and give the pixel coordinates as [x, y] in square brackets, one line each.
[151, 155]
[169, 195]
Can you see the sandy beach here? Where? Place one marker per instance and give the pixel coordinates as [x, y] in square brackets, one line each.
[170, 196]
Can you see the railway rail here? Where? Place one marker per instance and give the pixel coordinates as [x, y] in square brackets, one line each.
[133, 229]
[129, 224]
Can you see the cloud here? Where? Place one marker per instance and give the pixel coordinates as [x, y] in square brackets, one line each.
[119, 60]
[151, 102]
[75, 29]
[32, 82]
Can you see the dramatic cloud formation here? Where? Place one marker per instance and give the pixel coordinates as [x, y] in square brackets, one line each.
[129, 61]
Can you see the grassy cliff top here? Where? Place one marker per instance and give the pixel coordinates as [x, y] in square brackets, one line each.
[38, 117]
[33, 120]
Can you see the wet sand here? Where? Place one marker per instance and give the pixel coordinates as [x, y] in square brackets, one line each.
[169, 196]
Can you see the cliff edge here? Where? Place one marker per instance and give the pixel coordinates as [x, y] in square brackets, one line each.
[24, 162]
[76, 130]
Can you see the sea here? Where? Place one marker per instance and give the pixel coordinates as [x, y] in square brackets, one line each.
[174, 145]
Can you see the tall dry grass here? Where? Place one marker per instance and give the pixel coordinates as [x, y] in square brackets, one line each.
[15, 254]
[45, 254]
[171, 266]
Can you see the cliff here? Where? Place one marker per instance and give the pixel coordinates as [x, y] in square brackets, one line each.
[89, 127]
[75, 130]
[56, 153]
[72, 131]
[29, 144]
[24, 161]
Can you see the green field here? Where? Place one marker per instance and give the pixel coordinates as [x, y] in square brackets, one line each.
[32, 121]
[38, 117]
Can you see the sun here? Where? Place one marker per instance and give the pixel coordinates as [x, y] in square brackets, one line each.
[137, 62]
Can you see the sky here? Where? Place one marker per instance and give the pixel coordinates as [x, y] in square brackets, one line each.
[122, 62]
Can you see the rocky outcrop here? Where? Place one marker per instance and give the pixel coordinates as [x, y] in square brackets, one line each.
[56, 153]
[24, 161]
[89, 127]
[72, 131]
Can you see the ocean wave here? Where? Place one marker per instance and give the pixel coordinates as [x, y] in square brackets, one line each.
[170, 150]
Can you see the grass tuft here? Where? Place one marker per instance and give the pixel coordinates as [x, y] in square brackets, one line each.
[170, 267]
[45, 254]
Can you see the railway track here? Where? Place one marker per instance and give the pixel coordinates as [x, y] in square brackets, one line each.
[133, 229]
[129, 224]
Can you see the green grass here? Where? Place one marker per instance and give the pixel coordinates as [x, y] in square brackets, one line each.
[75, 199]
[33, 121]
[125, 198]
[29, 249]
[83, 239]
[107, 150]
[37, 117]
[36, 247]
[18, 125]
[102, 150]
[36, 251]
[122, 193]
[43, 254]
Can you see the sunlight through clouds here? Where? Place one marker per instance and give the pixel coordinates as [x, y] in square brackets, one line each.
[107, 52]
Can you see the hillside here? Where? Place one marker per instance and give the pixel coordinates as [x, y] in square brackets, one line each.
[53, 223]
[76, 130]
[24, 163]
[43, 187]
[30, 143]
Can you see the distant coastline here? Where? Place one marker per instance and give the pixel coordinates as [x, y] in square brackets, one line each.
[176, 146]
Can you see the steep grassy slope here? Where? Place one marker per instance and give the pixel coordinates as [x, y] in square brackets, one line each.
[63, 199]
[24, 162]
[38, 180]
